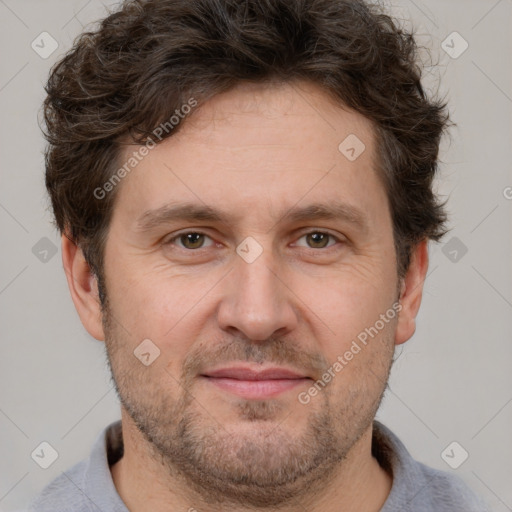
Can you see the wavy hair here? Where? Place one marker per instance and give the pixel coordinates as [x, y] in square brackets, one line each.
[145, 60]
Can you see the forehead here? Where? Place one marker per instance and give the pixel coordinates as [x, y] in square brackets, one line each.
[259, 148]
[287, 113]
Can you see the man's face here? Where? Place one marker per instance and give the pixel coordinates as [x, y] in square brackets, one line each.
[256, 155]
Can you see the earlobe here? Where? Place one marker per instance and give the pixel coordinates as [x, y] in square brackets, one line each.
[411, 292]
[83, 287]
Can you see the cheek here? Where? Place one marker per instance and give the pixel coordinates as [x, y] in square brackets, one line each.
[351, 303]
[166, 308]
[360, 351]
[149, 295]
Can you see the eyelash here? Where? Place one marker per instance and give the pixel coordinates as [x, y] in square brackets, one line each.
[316, 231]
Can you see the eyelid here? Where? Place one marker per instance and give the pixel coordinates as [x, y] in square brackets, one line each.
[169, 241]
[337, 238]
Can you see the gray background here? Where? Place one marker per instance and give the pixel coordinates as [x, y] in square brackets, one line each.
[452, 380]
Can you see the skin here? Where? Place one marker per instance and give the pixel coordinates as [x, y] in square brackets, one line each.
[254, 152]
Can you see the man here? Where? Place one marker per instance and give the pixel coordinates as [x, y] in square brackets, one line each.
[244, 194]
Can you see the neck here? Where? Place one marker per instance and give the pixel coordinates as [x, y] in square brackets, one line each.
[143, 483]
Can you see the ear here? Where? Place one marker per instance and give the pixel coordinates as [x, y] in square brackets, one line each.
[83, 287]
[411, 293]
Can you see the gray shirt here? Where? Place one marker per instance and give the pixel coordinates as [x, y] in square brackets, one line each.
[88, 485]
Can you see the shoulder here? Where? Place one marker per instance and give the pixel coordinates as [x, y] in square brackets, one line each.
[417, 487]
[86, 486]
[447, 492]
[63, 493]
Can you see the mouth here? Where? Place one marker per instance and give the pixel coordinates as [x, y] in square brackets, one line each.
[255, 384]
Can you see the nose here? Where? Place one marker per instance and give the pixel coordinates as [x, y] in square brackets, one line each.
[257, 301]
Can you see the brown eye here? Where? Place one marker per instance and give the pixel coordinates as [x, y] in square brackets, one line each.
[318, 239]
[192, 240]
[189, 240]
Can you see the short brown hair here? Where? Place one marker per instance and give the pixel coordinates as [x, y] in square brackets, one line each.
[147, 59]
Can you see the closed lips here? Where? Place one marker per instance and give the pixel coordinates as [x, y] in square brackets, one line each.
[248, 374]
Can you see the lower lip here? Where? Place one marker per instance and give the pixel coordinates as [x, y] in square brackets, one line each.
[256, 389]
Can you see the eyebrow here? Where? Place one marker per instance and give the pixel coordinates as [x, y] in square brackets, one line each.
[191, 212]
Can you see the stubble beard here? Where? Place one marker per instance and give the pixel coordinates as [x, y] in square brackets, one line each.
[267, 465]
